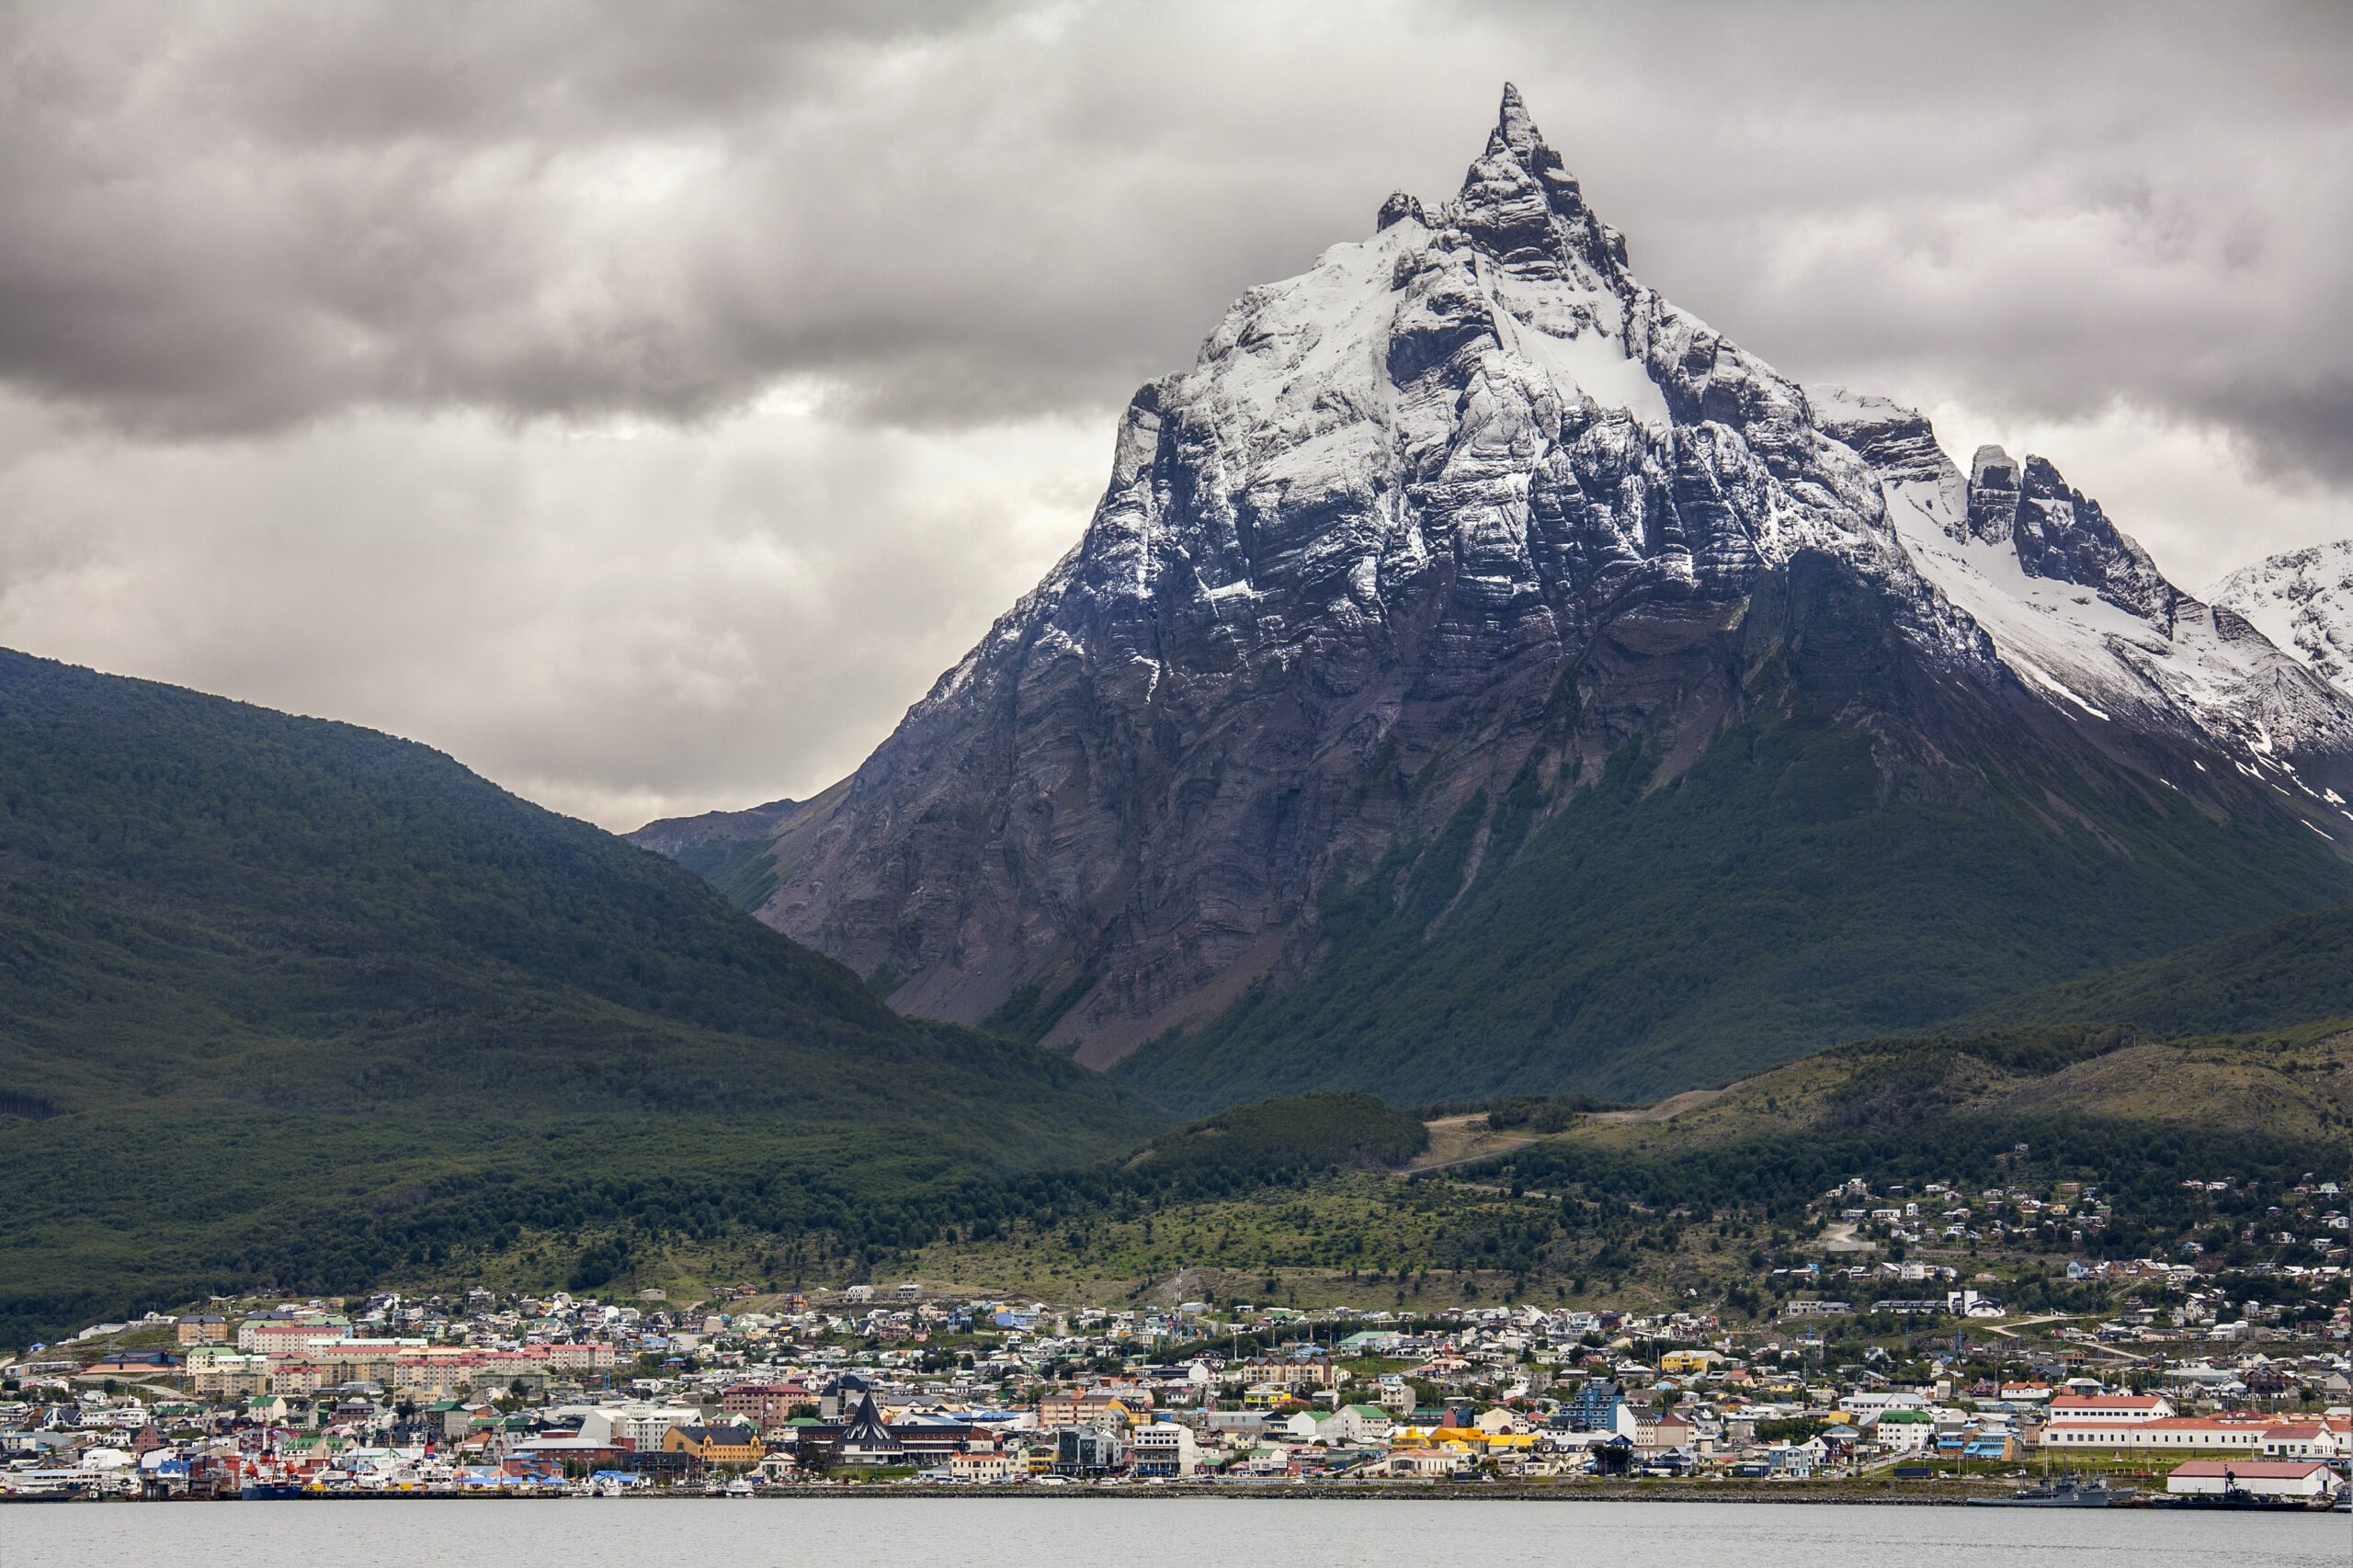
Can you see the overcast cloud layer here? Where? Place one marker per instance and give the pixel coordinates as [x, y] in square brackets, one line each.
[644, 403]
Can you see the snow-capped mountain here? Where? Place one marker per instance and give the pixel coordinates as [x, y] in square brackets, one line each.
[1423, 543]
[2304, 602]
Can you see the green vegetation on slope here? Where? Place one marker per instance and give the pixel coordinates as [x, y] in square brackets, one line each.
[1290, 1201]
[1708, 1198]
[745, 873]
[2286, 973]
[291, 1000]
[1312, 1133]
[1652, 1207]
[1761, 905]
[1030, 1014]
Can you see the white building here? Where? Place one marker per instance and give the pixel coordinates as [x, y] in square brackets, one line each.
[1356, 1424]
[640, 1426]
[1901, 1431]
[2322, 1440]
[1165, 1448]
[992, 1466]
[2113, 1407]
[2177, 1433]
[2265, 1478]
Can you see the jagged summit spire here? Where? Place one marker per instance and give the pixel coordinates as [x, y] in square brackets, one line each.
[1521, 201]
[1515, 133]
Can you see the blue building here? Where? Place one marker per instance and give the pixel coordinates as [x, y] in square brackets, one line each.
[1595, 1408]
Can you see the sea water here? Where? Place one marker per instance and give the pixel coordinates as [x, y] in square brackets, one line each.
[1128, 1531]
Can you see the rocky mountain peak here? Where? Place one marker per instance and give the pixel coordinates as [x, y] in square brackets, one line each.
[1992, 495]
[1515, 130]
[2060, 534]
[1519, 202]
[1455, 518]
[2302, 600]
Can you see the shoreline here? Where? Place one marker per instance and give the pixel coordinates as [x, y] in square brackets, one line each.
[1901, 1495]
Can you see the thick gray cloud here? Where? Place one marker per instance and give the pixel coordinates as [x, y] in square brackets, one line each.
[644, 401]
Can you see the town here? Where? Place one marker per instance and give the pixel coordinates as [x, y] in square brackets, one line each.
[751, 1392]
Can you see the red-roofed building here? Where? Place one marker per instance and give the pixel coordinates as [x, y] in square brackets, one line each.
[2177, 1433]
[2113, 1407]
[766, 1405]
[2322, 1440]
[2296, 1478]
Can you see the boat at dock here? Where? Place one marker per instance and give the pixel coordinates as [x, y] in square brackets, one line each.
[2068, 1491]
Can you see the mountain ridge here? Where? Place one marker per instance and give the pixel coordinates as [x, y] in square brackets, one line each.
[2302, 600]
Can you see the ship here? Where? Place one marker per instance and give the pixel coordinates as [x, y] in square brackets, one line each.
[2068, 1491]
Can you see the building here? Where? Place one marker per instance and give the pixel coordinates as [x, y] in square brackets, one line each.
[203, 1331]
[1081, 1452]
[1668, 1434]
[1356, 1424]
[266, 1334]
[229, 1377]
[640, 1428]
[932, 1440]
[738, 1445]
[864, 1440]
[2305, 1441]
[2113, 1407]
[1902, 1431]
[767, 1406]
[1088, 1407]
[1595, 1407]
[992, 1466]
[2177, 1434]
[2263, 1478]
[1164, 1449]
[580, 1358]
[1426, 1461]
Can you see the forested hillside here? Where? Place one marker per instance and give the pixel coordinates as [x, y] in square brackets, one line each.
[290, 1000]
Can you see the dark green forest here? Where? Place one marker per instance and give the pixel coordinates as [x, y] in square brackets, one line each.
[2284, 972]
[285, 999]
[1763, 905]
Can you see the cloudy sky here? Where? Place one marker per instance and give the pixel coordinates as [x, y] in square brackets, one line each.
[642, 401]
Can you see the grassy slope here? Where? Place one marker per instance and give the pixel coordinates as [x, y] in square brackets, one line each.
[2295, 1083]
[266, 972]
[1696, 1201]
[1758, 908]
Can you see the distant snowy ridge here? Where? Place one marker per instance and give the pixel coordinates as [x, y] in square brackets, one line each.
[2304, 602]
[2076, 607]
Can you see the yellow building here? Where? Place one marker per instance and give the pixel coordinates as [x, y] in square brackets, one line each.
[716, 1445]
